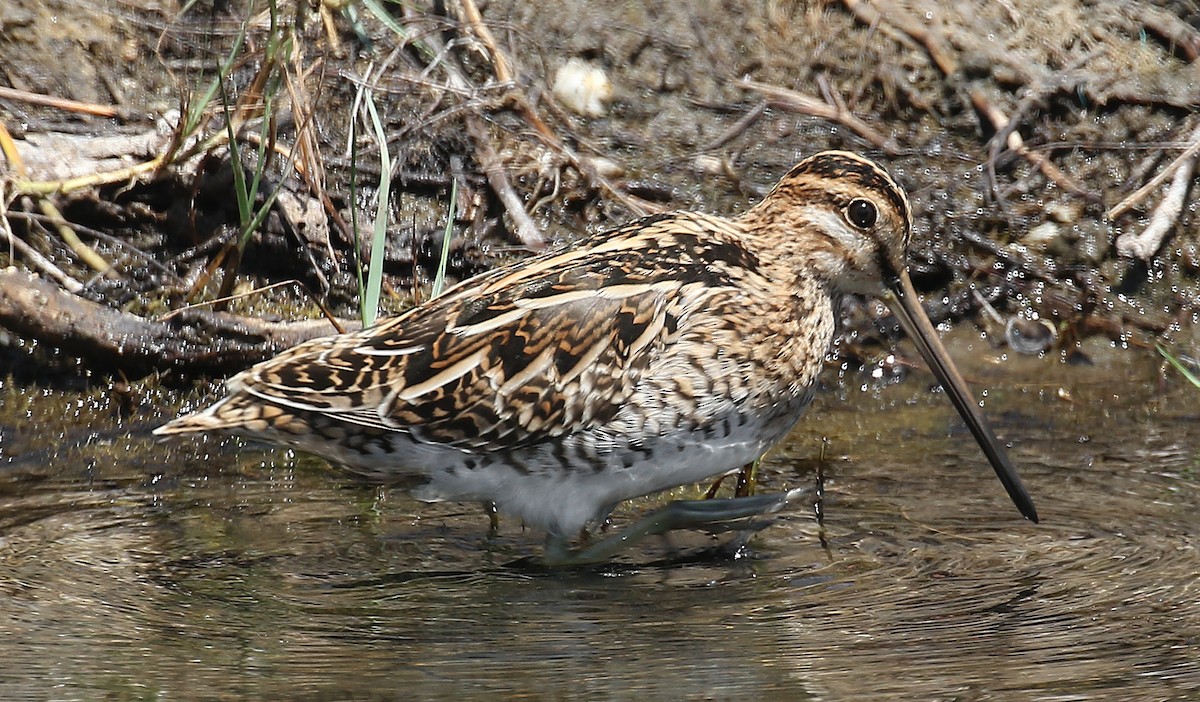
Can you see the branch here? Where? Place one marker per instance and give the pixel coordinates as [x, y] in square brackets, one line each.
[195, 341]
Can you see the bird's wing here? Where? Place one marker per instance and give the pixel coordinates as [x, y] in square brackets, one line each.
[520, 355]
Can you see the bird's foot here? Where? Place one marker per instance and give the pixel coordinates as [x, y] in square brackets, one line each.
[713, 516]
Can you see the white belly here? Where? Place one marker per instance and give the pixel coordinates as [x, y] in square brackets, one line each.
[562, 488]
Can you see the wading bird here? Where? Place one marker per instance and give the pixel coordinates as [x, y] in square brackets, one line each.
[673, 349]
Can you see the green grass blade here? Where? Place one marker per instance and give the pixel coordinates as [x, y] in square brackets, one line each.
[235, 161]
[379, 239]
[1179, 366]
[375, 7]
[439, 281]
[197, 109]
[358, 250]
[381, 13]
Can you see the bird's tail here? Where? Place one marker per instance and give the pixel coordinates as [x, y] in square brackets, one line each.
[230, 413]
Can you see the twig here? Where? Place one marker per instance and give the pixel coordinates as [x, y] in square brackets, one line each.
[500, 62]
[527, 232]
[200, 341]
[1001, 123]
[338, 327]
[86, 108]
[85, 253]
[943, 58]
[31, 255]
[1143, 245]
[930, 38]
[983, 243]
[806, 104]
[1173, 29]
[96, 234]
[41, 263]
[1140, 194]
[309, 160]
[331, 30]
[738, 127]
[9, 148]
[27, 187]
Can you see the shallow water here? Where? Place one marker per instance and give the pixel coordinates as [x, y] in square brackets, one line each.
[199, 569]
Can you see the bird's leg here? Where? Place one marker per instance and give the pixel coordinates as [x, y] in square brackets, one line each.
[711, 492]
[730, 514]
[746, 481]
[493, 519]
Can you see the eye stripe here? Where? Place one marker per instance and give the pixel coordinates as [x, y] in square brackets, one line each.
[843, 165]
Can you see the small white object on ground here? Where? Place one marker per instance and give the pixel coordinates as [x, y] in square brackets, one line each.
[583, 88]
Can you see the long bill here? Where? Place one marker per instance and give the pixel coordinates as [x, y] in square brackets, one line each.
[905, 304]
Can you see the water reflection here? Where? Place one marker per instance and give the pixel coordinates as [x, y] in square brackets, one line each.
[136, 570]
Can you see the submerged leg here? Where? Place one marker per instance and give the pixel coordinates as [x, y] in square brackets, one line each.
[493, 519]
[747, 479]
[712, 515]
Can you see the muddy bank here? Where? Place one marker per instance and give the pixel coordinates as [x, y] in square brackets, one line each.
[1023, 131]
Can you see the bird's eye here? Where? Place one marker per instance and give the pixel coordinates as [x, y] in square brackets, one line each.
[861, 213]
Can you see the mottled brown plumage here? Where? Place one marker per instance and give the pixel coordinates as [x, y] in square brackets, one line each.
[675, 348]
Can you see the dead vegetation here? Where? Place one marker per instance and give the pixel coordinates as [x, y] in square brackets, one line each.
[210, 151]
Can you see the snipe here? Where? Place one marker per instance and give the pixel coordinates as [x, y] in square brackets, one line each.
[676, 348]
